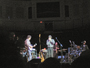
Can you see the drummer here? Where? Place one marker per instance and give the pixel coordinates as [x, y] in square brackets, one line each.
[84, 46]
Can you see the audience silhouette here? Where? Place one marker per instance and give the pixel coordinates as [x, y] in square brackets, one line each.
[83, 61]
[50, 63]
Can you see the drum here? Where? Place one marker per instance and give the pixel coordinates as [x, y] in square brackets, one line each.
[73, 53]
[34, 53]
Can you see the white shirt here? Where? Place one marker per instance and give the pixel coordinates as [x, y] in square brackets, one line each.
[50, 43]
[28, 43]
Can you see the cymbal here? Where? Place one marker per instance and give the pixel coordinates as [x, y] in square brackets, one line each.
[62, 50]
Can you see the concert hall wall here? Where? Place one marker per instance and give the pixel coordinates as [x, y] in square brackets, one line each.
[22, 15]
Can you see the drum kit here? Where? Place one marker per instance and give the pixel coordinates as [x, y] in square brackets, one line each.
[24, 53]
[74, 52]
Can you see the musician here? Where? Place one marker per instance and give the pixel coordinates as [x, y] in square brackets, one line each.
[50, 44]
[28, 45]
[84, 46]
[56, 48]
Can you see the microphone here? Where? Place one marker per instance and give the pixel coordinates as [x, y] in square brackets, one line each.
[59, 42]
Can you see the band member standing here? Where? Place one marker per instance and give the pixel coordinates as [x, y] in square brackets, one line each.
[84, 46]
[28, 45]
[50, 44]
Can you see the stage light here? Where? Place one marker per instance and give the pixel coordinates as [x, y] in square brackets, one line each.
[40, 21]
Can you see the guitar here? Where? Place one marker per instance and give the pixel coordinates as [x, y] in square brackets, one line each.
[31, 48]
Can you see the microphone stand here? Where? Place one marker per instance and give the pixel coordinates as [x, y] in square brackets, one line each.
[60, 49]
